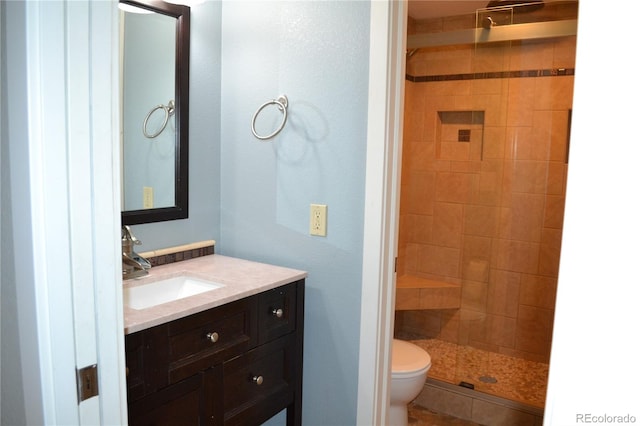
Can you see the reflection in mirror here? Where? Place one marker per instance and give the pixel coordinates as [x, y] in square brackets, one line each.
[155, 102]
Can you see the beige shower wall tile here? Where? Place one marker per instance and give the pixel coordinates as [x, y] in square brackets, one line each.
[559, 135]
[402, 255]
[417, 157]
[528, 177]
[564, 52]
[475, 270]
[423, 323]
[465, 102]
[524, 218]
[440, 261]
[534, 329]
[414, 99]
[501, 331]
[553, 93]
[556, 178]
[450, 325]
[442, 93]
[550, 252]
[480, 220]
[413, 126]
[521, 100]
[490, 183]
[417, 228]
[491, 57]
[494, 142]
[517, 256]
[543, 134]
[488, 86]
[494, 107]
[489, 189]
[410, 258]
[474, 296]
[447, 224]
[445, 297]
[531, 106]
[538, 291]
[504, 293]
[454, 187]
[530, 55]
[554, 211]
[466, 166]
[458, 22]
[531, 143]
[445, 60]
[417, 194]
[453, 150]
[476, 249]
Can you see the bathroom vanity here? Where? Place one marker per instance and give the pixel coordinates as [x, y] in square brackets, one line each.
[228, 356]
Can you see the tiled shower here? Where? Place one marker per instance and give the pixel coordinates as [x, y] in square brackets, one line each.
[485, 157]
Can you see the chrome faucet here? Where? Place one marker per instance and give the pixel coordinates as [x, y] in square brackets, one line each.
[133, 265]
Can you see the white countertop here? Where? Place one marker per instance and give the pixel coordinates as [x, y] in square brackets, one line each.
[241, 278]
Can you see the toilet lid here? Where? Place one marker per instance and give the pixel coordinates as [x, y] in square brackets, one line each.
[407, 357]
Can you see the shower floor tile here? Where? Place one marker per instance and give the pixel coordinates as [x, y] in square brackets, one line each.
[492, 373]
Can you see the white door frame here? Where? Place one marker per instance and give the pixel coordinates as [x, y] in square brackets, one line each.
[72, 120]
[384, 149]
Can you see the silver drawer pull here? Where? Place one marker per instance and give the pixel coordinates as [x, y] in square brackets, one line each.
[258, 380]
[277, 312]
[213, 337]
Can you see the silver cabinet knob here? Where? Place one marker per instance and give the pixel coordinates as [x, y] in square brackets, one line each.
[213, 337]
[277, 312]
[258, 380]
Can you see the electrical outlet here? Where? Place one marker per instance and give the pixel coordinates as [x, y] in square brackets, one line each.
[318, 220]
[147, 197]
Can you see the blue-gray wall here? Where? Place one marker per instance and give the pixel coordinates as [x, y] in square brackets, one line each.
[317, 54]
[204, 140]
[253, 197]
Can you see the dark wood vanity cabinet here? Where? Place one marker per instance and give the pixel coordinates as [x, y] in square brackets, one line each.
[237, 364]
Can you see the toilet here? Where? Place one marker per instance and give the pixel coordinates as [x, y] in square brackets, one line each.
[409, 366]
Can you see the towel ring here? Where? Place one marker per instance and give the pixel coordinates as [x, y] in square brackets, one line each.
[282, 102]
[168, 112]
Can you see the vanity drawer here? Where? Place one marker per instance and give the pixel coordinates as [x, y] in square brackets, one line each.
[259, 383]
[198, 341]
[276, 312]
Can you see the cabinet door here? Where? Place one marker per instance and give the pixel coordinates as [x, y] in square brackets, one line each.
[260, 383]
[181, 404]
[276, 312]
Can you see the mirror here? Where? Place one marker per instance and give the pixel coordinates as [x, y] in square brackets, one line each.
[154, 80]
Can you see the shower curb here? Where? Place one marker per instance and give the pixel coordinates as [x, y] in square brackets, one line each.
[468, 404]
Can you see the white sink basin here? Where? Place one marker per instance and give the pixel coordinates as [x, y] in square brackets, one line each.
[167, 290]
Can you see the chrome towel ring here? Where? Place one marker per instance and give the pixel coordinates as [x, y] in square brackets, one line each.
[282, 102]
[169, 109]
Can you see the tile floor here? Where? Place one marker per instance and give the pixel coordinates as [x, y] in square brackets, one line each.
[492, 373]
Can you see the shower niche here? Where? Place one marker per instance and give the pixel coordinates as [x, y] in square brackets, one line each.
[459, 135]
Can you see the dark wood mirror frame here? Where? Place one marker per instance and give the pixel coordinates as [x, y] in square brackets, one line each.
[181, 208]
